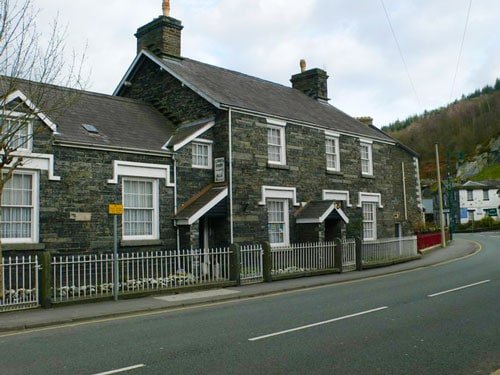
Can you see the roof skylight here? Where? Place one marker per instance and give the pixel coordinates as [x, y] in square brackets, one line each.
[90, 128]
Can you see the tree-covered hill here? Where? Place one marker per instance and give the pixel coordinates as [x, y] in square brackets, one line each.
[459, 129]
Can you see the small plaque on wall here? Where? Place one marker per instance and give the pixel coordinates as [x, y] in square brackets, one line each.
[219, 170]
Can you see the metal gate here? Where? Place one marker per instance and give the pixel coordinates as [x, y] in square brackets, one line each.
[251, 264]
[348, 255]
[19, 287]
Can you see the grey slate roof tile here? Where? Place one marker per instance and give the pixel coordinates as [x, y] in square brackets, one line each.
[243, 91]
[121, 122]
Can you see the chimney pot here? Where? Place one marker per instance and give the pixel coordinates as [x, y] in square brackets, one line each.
[303, 65]
[166, 8]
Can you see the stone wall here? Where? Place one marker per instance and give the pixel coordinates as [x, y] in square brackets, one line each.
[168, 95]
[306, 171]
[84, 188]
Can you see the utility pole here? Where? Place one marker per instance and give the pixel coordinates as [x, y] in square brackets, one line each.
[450, 195]
[441, 213]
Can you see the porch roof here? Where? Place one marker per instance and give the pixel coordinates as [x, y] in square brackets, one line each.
[200, 204]
[319, 211]
[187, 132]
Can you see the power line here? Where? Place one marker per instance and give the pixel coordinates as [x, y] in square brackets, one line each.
[401, 53]
[460, 52]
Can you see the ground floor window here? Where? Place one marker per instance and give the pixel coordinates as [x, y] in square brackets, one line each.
[277, 214]
[369, 221]
[19, 208]
[140, 204]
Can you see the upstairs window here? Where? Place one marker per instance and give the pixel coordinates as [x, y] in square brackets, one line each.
[140, 204]
[332, 154]
[486, 195]
[276, 145]
[202, 154]
[470, 195]
[17, 132]
[366, 159]
[19, 208]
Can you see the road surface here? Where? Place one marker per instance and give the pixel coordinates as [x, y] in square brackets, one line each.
[443, 319]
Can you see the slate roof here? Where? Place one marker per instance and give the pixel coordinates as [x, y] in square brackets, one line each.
[121, 122]
[484, 184]
[315, 209]
[187, 131]
[231, 88]
[208, 197]
[318, 211]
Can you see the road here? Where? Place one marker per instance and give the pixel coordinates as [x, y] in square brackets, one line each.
[443, 319]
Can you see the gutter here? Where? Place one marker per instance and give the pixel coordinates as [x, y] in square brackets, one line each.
[302, 123]
[231, 223]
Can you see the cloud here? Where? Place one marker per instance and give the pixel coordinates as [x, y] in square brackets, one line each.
[266, 38]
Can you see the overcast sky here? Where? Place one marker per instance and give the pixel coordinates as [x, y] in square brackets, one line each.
[350, 39]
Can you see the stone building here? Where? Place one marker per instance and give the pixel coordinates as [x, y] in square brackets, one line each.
[202, 156]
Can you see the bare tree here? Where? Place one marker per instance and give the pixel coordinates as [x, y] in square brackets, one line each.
[30, 64]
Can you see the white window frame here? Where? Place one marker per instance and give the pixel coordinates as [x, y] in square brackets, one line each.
[335, 155]
[486, 195]
[28, 122]
[155, 214]
[369, 159]
[372, 221]
[286, 222]
[35, 186]
[470, 195]
[203, 143]
[282, 145]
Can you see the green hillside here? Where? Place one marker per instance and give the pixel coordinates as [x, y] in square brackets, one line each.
[462, 129]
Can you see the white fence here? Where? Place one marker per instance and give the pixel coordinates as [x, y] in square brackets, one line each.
[302, 257]
[20, 283]
[388, 249]
[348, 255]
[251, 264]
[83, 276]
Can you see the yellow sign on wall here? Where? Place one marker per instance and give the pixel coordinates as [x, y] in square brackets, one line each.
[115, 209]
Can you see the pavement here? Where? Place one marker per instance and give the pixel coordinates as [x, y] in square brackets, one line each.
[74, 313]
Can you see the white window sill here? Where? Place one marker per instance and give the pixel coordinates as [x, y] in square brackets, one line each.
[201, 167]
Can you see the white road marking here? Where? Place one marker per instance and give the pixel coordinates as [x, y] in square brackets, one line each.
[459, 288]
[194, 295]
[120, 370]
[317, 324]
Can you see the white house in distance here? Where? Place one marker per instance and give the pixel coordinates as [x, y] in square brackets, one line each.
[479, 199]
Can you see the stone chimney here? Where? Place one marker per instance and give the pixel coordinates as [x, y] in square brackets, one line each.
[162, 36]
[312, 82]
[367, 120]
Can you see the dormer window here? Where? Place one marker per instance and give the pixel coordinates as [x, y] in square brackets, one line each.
[17, 133]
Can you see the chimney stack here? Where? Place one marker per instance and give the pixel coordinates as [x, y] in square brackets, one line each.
[367, 120]
[162, 36]
[312, 82]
